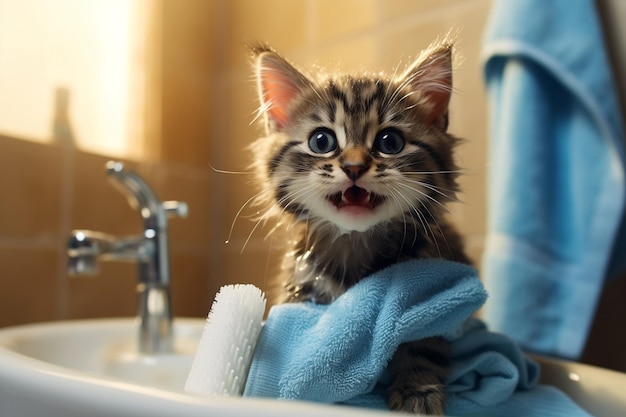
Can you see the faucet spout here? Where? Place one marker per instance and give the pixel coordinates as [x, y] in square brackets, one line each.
[150, 251]
[139, 195]
[142, 198]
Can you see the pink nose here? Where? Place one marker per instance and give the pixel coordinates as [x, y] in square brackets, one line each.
[353, 171]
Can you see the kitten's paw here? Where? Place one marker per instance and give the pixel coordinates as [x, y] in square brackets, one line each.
[422, 399]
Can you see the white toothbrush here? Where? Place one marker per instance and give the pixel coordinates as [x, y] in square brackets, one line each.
[228, 340]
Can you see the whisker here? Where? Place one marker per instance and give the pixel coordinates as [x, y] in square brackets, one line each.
[232, 225]
[434, 200]
[404, 222]
[431, 230]
[443, 235]
[290, 197]
[402, 167]
[222, 171]
[284, 204]
[439, 190]
[250, 236]
[420, 217]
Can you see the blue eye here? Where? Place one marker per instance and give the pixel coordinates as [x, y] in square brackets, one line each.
[389, 141]
[323, 141]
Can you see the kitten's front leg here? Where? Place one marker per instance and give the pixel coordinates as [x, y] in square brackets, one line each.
[419, 371]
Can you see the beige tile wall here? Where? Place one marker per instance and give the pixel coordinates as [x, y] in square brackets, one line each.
[46, 191]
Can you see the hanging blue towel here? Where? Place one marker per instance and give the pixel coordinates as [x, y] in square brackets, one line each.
[556, 172]
[338, 353]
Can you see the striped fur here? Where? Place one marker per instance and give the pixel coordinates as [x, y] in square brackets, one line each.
[360, 168]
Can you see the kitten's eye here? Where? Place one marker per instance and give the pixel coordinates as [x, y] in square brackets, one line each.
[323, 141]
[389, 141]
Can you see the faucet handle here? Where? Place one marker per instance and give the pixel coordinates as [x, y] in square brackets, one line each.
[83, 248]
[176, 209]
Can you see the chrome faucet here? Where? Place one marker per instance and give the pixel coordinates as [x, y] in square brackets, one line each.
[149, 250]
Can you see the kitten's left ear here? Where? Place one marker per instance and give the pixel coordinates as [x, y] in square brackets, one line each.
[279, 85]
[431, 76]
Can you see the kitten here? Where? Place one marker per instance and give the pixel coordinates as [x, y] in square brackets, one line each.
[361, 167]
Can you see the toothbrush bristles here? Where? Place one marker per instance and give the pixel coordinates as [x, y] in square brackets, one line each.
[228, 340]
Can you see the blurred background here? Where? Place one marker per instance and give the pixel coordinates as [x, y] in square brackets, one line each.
[166, 86]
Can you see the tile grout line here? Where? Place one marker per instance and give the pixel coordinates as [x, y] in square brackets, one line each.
[65, 218]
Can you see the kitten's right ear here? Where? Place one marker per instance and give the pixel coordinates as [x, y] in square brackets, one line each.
[431, 75]
[279, 84]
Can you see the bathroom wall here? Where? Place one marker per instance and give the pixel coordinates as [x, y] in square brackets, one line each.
[52, 184]
[200, 102]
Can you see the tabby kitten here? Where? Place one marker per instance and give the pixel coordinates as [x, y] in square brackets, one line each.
[360, 168]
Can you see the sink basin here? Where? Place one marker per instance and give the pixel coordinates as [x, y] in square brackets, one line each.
[103, 349]
[91, 367]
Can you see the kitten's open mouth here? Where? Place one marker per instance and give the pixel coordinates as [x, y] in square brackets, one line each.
[355, 196]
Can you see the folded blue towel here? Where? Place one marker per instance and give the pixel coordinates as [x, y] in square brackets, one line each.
[556, 172]
[338, 353]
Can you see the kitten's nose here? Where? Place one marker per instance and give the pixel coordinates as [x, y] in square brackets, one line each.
[354, 162]
[353, 171]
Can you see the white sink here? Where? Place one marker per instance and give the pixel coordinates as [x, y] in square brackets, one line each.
[102, 349]
[92, 368]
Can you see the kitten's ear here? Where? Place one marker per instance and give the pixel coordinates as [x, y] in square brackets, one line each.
[279, 84]
[431, 76]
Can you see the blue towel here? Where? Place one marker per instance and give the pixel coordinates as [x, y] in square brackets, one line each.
[556, 172]
[338, 353]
